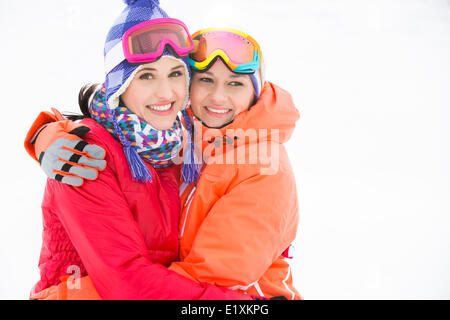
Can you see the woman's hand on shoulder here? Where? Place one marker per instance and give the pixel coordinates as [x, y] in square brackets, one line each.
[62, 154]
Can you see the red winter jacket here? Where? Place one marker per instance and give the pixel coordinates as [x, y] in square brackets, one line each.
[121, 232]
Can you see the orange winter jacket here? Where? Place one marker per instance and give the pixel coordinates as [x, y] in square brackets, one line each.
[243, 212]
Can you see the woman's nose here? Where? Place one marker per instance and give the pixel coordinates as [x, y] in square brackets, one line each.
[164, 90]
[218, 96]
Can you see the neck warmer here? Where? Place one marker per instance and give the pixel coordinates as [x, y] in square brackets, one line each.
[157, 147]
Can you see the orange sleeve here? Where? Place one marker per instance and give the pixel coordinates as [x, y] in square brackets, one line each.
[245, 231]
[43, 118]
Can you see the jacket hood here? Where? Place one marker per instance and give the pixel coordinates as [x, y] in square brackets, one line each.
[274, 110]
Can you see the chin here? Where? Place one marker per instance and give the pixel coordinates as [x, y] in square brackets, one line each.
[217, 124]
[164, 126]
[161, 124]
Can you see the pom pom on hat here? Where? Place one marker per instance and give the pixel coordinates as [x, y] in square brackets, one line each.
[131, 2]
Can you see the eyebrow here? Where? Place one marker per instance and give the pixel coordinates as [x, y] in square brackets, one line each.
[237, 75]
[153, 69]
[234, 75]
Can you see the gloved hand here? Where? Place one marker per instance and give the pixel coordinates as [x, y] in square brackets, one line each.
[56, 144]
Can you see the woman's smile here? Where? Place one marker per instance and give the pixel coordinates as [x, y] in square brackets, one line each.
[218, 112]
[161, 109]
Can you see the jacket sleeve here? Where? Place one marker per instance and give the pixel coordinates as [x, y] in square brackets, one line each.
[102, 229]
[245, 231]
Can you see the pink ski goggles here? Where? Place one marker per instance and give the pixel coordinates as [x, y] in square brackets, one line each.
[146, 42]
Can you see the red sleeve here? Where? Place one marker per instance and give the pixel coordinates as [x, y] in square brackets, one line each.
[101, 227]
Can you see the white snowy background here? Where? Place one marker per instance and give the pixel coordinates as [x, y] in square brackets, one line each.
[370, 152]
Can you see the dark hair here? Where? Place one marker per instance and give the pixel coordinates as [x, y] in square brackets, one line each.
[84, 98]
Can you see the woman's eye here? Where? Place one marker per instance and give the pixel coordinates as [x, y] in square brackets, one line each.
[236, 83]
[176, 74]
[208, 80]
[146, 76]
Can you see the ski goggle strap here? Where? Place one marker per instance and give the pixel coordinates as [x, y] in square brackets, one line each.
[237, 49]
[146, 41]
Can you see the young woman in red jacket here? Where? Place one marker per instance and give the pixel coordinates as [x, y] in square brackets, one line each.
[121, 228]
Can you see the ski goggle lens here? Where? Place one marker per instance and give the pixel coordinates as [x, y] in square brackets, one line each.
[239, 49]
[145, 42]
[148, 39]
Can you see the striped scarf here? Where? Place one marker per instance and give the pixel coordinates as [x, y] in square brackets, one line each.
[157, 147]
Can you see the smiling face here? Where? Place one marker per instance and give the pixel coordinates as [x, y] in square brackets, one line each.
[218, 95]
[157, 92]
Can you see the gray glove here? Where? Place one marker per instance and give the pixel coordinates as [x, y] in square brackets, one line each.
[71, 161]
[63, 155]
